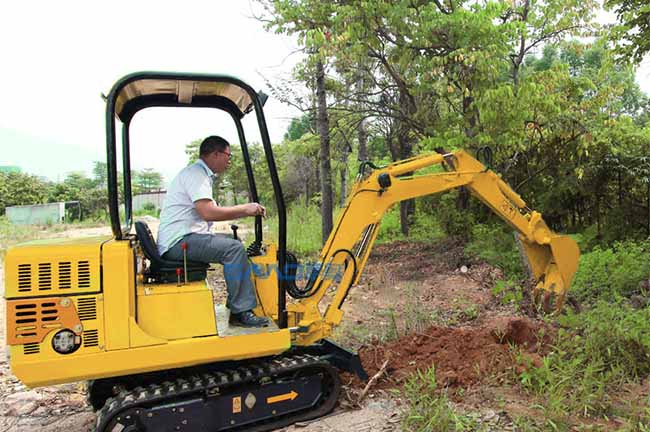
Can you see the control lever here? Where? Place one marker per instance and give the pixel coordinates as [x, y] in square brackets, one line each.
[234, 229]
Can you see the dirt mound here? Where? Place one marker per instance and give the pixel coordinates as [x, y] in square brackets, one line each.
[462, 356]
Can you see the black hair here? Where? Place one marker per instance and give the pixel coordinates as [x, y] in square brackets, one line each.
[211, 144]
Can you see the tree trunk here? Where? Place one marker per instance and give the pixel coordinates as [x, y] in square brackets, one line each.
[361, 129]
[363, 140]
[343, 172]
[324, 154]
[403, 150]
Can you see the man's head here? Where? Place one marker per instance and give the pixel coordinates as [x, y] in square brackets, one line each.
[215, 152]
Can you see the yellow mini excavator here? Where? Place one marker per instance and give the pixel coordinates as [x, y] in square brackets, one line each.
[157, 354]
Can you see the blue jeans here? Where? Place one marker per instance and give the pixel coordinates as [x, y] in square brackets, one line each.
[222, 249]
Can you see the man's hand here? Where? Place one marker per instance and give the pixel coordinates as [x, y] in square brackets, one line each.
[255, 209]
[209, 211]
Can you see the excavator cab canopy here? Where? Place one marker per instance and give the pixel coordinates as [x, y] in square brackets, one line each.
[145, 92]
[141, 90]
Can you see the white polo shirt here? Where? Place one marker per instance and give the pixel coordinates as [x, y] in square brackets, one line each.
[178, 216]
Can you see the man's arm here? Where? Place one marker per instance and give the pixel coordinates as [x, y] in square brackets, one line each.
[211, 212]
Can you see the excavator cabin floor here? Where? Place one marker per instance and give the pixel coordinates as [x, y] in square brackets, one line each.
[224, 328]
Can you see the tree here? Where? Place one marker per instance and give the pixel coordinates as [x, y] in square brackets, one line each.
[147, 180]
[632, 35]
[310, 20]
[100, 174]
[298, 127]
[77, 187]
[18, 188]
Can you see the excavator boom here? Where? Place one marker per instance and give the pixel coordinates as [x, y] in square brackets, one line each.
[552, 258]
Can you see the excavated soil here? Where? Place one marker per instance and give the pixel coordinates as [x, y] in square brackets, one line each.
[461, 356]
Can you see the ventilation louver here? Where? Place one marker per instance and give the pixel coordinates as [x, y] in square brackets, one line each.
[31, 348]
[45, 276]
[87, 308]
[83, 274]
[91, 338]
[24, 277]
[65, 275]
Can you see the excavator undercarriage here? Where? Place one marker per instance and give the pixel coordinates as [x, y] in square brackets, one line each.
[260, 395]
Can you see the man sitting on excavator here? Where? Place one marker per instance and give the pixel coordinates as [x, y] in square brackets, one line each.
[185, 228]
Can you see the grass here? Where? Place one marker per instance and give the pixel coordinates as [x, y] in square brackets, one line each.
[304, 230]
[429, 409]
[596, 353]
[11, 234]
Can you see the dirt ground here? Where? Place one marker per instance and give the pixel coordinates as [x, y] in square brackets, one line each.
[415, 306]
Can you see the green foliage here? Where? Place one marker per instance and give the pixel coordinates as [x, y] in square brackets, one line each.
[495, 243]
[424, 227]
[148, 209]
[298, 127]
[596, 352]
[455, 222]
[390, 230]
[18, 188]
[508, 291]
[77, 187]
[568, 125]
[303, 230]
[607, 273]
[146, 180]
[632, 34]
[428, 407]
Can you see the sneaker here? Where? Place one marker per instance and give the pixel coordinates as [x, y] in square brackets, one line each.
[247, 319]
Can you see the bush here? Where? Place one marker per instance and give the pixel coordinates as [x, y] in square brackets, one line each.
[424, 226]
[496, 245]
[611, 272]
[390, 228]
[454, 222]
[596, 352]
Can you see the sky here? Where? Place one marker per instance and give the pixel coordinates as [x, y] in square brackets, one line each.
[59, 57]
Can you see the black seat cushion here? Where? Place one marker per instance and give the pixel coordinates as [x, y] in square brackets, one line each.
[163, 270]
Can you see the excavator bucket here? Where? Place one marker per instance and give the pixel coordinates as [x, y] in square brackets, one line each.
[553, 265]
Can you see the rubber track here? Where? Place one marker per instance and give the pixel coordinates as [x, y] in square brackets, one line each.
[199, 383]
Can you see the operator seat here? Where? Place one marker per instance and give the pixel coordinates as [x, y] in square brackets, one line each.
[162, 270]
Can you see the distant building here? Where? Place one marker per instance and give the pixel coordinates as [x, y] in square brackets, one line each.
[43, 214]
[156, 198]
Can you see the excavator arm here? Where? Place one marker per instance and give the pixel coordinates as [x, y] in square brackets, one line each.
[552, 258]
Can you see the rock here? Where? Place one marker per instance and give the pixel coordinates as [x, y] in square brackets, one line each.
[22, 403]
[23, 397]
[26, 408]
[639, 302]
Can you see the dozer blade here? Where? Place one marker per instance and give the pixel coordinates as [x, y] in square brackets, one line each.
[553, 266]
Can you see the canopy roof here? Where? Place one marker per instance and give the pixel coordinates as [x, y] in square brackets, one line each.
[144, 91]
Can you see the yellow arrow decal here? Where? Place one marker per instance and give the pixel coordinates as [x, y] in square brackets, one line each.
[281, 398]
